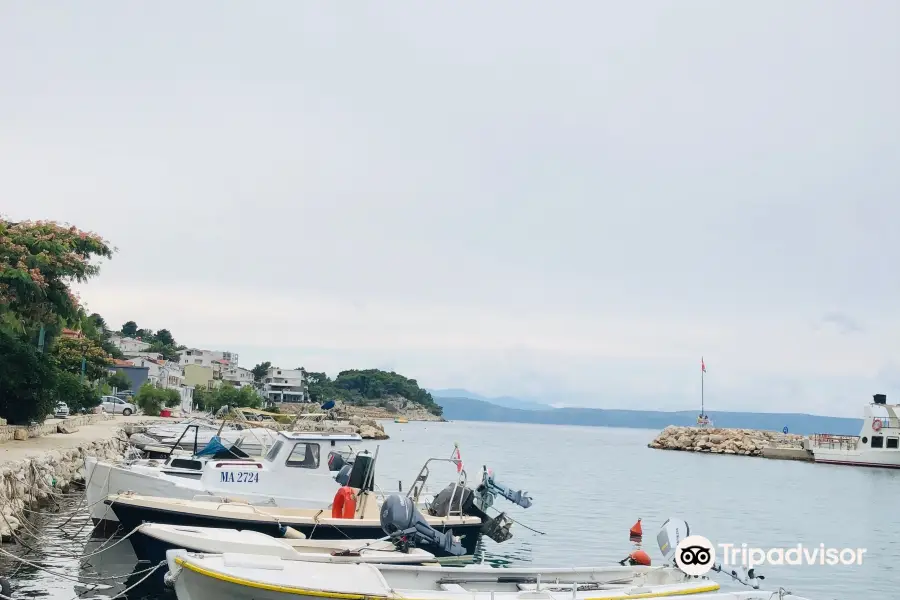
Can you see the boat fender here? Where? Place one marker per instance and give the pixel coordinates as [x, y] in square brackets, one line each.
[876, 425]
[291, 533]
[638, 557]
[344, 506]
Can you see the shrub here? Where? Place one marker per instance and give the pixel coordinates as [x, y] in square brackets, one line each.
[150, 399]
[173, 398]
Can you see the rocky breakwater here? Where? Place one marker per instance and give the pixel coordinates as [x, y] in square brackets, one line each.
[27, 484]
[746, 442]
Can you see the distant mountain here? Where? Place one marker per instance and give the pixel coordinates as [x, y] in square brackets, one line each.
[470, 409]
[504, 401]
[456, 393]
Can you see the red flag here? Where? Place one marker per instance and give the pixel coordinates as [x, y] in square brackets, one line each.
[702, 365]
[458, 458]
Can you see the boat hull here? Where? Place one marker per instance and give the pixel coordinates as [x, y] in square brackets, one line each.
[196, 580]
[154, 550]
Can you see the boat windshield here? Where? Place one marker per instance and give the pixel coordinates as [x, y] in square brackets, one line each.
[274, 450]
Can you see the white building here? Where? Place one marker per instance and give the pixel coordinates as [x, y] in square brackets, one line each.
[238, 376]
[161, 373]
[285, 385]
[150, 355]
[128, 345]
[205, 358]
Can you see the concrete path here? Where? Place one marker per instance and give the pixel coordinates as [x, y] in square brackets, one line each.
[38, 446]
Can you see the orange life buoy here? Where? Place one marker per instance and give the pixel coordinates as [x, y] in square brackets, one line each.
[876, 425]
[344, 506]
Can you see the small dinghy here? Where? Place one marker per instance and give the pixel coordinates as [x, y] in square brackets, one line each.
[271, 575]
[294, 546]
[252, 577]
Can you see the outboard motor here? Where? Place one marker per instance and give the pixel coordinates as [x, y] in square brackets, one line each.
[670, 535]
[335, 461]
[490, 486]
[408, 528]
[343, 476]
[449, 499]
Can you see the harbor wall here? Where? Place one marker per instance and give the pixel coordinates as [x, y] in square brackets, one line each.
[744, 442]
[16, 432]
[40, 463]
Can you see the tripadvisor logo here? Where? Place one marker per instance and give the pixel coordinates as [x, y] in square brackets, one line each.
[695, 555]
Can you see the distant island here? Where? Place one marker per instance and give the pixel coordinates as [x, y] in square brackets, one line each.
[463, 407]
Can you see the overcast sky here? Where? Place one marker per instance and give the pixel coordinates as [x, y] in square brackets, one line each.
[573, 202]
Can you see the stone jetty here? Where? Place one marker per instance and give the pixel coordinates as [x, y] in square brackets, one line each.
[746, 442]
[39, 463]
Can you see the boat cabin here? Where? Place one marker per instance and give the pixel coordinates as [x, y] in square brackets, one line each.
[296, 461]
[878, 442]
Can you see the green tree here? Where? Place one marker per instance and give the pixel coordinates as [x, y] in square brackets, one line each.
[172, 398]
[68, 353]
[27, 381]
[129, 329]
[76, 394]
[260, 370]
[38, 263]
[99, 322]
[150, 399]
[164, 337]
[119, 380]
[168, 352]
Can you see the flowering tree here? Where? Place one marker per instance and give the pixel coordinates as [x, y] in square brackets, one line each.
[38, 262]
[68, 353]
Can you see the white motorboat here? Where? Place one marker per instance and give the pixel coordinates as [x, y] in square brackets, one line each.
[366, 523]
[253, 577]
[877, 445]
[270, 575]
[292, 474]
[213, 540]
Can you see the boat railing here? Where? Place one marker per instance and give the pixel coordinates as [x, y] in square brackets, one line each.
[418, 486]
[835, 442]
[888, 422]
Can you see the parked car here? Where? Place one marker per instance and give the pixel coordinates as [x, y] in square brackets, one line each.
[62, 410]
[117, 406]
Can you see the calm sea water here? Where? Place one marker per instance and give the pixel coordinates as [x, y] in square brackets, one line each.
[589, 485]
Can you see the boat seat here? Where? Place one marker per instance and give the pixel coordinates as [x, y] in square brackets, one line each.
[453, 587]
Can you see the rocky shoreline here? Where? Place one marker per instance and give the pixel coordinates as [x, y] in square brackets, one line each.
[26, 484]
[744, 442]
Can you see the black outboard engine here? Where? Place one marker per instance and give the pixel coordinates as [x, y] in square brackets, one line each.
[343, 476]
[449, 499]
[408, 528]
[335, 461]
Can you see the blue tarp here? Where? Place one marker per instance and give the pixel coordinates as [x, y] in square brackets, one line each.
[328, 405]
[213, 447]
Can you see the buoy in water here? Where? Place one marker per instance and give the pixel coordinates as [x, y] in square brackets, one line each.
[636, 530]
[639, 557]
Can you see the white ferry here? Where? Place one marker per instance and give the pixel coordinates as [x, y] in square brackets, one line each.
[877, 445]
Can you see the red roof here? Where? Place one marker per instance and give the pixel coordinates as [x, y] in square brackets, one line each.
[122, 363]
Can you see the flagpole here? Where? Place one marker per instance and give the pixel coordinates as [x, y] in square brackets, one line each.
[702, 373]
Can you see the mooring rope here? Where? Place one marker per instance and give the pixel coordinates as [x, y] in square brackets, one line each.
[76, 578]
